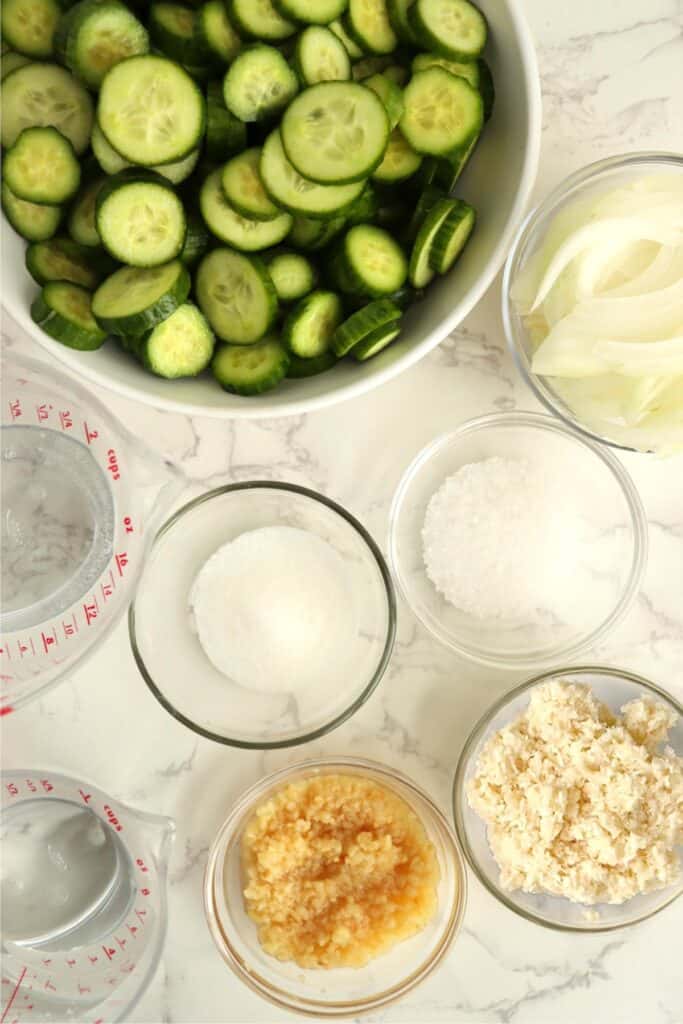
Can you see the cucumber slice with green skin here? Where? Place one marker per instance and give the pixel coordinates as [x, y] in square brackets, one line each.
[63, 311]
[236, 295]
[397, 74]
[376, 341]
[420, 271]
[62, 259]
[335, 133]
[132, 300]
[362, 323]
[241, 181]
[197, 240]
[452, 236]
[81, 224]
[308, 328]
[310, 235]
[445, 173]
[258, 19]
[390, 94]
[174, 31]
[352, 48]
[32, 221]
[453, 28]
[398, 17]
[428, 198]
[369, 262]
[367, 21]
[106, 156]
[28, 26]
[299, 368]
[225, 133]
[43, 95]
[400, 160]
[259, 83]
[140, 219]
[365, 207]
[216, 31]
[443, 114]
[486, 87]
[243, 233]
[467, 69]
[151, 111]
[10, 62]
[292, 274]
[100, 34]
[319, 56]
[299, 195]
[403, 298]
[253, 370]
[311, 12]
[41, 167]
[368, 66]
[181, 346]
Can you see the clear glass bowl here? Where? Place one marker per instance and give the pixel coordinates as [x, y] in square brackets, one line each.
[172, 661]
[605, 510]
[614, 688]
[338, 992]
[595, 178]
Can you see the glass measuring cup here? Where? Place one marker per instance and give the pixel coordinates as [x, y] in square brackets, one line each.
[78, 494]
[87, 946]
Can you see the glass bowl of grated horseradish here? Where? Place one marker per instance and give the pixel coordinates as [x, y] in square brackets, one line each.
[516, 541]
[568, 799]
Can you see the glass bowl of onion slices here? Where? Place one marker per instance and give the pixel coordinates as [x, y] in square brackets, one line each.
[593, 301]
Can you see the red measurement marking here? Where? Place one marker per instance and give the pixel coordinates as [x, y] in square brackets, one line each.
[70, 627]
[6, 709]
[49, 640]
[86, 797]
[127, 968]
[121, 561]
[32, 788]
[15, 409]
[65, 419]
[109, 951]
[140, 914]
[12, 788]
[141, 864]
[26, 647]
[47, 962]
[92, 959]
[91, 611]
[113, 820]
[13, 995]
[90, 435]
[128, 524]
[42, 412]
[120, 942]
[82, 989]
[47, 785]
[113, 464]
[50, 986]
[70, 963]
[107, 590]
[132, 929]
[145, 892]
[6, 650]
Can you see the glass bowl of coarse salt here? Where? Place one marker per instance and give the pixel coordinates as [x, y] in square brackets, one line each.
[568, 799]
[265, 615]
[516, 541]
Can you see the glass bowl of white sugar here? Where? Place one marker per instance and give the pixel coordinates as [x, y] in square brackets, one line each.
[265, 616]
[516, 541]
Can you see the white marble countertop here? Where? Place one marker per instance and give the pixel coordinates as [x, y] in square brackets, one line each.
[611, 75]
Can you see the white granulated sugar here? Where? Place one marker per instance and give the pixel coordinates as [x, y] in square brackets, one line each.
[497, 542]
[273, 609]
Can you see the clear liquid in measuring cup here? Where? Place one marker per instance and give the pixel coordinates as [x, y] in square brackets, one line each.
[57, 528]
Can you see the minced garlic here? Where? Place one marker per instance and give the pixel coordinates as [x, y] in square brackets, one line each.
[337, 870]
[578, 802]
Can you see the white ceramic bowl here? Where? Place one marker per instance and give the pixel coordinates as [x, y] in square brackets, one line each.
[498, 183]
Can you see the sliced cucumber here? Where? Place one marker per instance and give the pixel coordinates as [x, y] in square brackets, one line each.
[368, 66]
[259, 83]
[400, 160]
[310, 234]
[179, 170]
[320, 56]
[308, 328]
[133, 300]
[428, 198]
[486, 87]
[445, 173]
[369, 262]
[43, 95]
[299, 195]
[236, 295]
[196, 240]
[41, 167]
[253, 370]
[258, 19]
[243, 233]
[397, 73]
[390, 94]
[443, 114]
[151, 111]
[140, 219]
[375, 342]
[225, 133]
[241, 181]
[335, 133]
[63, 310]
[454, 28]
[32, 221]
[311, 12]
[110, 161]
[420, 271]
[217, 32]
[299, 368]
[367, 21]
[174, 31]
[81, 223]
[362, 323]
[62, 259]
[350, 45]
[100, 34]
[398, 16]
[365, 207]
[292, 274]
[467, 69]
[10, 62]
[180, 346]
[28, 26]
[452, 236]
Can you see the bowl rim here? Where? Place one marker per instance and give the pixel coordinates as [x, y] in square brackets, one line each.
[541, 421]
[365, 382]
[389, 591]
[542, 211]
[388, 777]
[458, 791]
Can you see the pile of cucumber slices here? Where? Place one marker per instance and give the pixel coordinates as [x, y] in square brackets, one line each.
[261, 187]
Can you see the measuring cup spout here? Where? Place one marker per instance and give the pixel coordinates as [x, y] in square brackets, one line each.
[159, 832]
